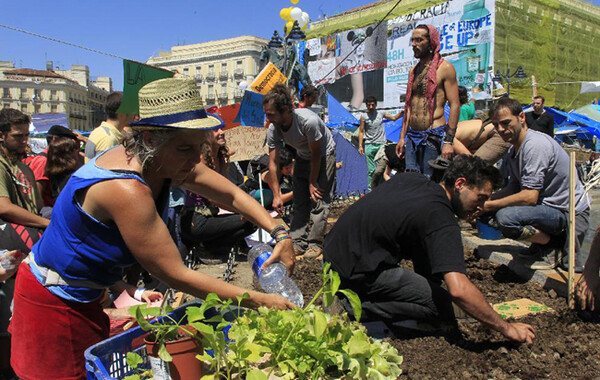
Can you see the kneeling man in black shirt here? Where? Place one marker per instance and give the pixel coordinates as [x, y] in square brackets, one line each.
[410, 217]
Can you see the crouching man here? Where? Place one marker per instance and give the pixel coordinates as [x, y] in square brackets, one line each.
[410, 217]
[534, 205]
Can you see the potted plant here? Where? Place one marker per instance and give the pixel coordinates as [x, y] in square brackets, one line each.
[172, 345]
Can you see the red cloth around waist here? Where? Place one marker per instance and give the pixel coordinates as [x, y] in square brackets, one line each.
[49, 334]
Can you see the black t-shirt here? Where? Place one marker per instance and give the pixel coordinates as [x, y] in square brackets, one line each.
[542, 123]
[407, 217]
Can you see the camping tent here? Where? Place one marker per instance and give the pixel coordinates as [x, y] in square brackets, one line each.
[43, 121]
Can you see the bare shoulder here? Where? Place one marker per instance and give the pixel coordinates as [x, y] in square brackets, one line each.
[446, 70]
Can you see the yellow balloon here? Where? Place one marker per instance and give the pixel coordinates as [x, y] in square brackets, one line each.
[285, 14]
[294, 1]
[305, 26]
[288, 27]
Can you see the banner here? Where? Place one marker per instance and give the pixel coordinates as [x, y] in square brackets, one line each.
[267, 78]
[466, 35]
[136, 76]
[246, 142]
[365, 48]
[251, 111]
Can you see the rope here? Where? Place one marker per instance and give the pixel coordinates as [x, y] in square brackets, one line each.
[60, 41]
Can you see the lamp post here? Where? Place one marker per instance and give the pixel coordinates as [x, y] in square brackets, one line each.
[519, 74]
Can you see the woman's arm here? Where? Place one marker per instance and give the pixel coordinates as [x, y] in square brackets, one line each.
[216, 187]
[147, 237]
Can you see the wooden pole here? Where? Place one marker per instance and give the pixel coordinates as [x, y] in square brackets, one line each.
[572, 182]
[533, 86]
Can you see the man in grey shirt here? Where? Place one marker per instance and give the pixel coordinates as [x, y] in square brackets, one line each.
[314, 169]
[534, 205]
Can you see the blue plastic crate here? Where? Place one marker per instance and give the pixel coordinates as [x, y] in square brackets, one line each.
[107, 360]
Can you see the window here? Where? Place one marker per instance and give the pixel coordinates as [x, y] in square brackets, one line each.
[23, 93]
[53, 95]
[186, 70]
[24, 108]
[54, 108]
[38, 94]
[38, 108]
[239, 63]
[6, 105]
[6, 93]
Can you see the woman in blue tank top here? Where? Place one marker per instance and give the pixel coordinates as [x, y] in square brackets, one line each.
[109, 216]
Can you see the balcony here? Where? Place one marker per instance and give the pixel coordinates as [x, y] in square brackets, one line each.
[198, 77]
[238, 73]
[210, 76]
[210, 97]
[238, 94]
[223, 75]
[223, 95]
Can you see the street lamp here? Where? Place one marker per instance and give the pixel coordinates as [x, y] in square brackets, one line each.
[519, 74]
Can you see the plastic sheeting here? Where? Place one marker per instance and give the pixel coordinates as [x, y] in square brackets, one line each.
[352, 177]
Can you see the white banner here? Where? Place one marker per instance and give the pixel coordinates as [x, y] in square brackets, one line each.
[466, 35]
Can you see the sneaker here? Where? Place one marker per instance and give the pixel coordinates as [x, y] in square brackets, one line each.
[528, 232]
[313, 252]
[544, 261]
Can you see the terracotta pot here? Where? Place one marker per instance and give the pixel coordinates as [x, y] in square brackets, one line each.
[184, 365]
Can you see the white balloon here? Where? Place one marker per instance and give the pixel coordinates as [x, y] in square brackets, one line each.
[306, 16]
[296, 14]
[243, 85]
[302, 22]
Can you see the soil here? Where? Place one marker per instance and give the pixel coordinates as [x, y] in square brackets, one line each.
[567, 344]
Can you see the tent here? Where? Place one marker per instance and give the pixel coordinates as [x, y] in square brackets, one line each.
[351, 178]
[43, 121]
[591, 111]
[570, 119]
[339, 117]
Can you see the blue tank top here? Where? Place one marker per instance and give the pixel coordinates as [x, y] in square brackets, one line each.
[80, 247]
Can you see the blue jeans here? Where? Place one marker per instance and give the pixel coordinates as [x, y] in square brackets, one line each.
[513, 219]
[417, 156]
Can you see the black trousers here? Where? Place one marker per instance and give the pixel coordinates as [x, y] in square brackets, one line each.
[216, 232]
[396, 294]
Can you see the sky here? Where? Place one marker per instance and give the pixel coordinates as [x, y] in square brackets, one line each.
[136, 29]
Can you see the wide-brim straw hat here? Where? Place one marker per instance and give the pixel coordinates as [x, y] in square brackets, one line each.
[173, 103]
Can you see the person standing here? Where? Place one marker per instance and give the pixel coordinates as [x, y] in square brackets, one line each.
[467, 107]
[109, 133]
[371, 134]
[314, 169]
[431, 83]
[538, 119]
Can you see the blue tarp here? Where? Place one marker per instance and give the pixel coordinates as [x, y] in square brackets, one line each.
[43, 121]
[569, 119]
[591, 111]
[352, 177]
[340, 117]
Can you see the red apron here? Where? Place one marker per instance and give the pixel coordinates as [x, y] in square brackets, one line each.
[49, 334]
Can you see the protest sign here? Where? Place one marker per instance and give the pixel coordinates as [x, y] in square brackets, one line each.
[251, 111]
[246, 142]
[267, 78]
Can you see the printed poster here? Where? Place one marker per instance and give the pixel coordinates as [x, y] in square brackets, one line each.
[466, 36]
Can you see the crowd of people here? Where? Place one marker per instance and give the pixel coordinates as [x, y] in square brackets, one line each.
[92, 219]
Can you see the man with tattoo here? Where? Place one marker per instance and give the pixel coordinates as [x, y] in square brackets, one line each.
[431, 83]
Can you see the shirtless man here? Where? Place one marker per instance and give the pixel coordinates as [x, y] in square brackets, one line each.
[431, 83]
[479, 138]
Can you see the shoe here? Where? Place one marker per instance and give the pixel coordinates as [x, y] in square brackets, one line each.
[544, 261]
[208, 258]
[313, 252]
[528, 232]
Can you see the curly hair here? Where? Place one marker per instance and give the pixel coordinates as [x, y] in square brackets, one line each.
[474, 169]
[222, 155]
[281, 97]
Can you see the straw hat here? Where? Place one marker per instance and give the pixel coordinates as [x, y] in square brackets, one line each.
[173, 103]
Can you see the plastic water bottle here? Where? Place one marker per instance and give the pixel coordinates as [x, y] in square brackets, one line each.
[10, 262]
[273, 279]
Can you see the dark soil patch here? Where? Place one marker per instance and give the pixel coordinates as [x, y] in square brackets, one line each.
[567, 344]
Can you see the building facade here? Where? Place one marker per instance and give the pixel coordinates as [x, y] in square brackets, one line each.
[55, 91]
[218, 66]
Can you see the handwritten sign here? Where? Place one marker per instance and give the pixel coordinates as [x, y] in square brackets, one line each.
[251, 111]
[246, 142]
[267, 78]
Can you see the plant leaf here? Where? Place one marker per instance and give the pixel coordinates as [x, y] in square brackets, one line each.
[354, 302]
[320, 323]
[164, 354]
[132, 377]
[134, 360]
[256, 374]
[141, 320]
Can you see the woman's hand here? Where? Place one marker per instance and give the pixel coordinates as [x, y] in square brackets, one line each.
[284, 252]
[272, 300]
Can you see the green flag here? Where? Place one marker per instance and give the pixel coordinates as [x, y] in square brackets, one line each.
[136, 75]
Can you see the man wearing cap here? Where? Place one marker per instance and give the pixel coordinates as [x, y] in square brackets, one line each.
[37, 163]
[534, 204]
[412, 218]
[109, 133]
[314, 169]
[431, 83]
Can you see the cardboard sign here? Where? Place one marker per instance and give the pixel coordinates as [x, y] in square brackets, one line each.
[251, 111]
[267, 78]
[519, 308]
[246, 142]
